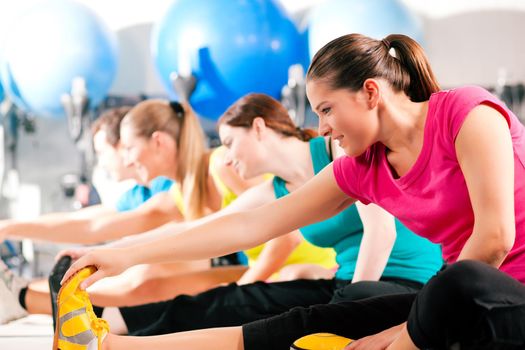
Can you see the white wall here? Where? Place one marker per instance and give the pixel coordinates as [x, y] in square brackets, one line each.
[468, 41]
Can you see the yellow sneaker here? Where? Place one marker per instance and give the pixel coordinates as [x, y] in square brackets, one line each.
[320, 341]
[78, 328]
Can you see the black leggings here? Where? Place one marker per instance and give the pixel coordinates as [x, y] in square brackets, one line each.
[469, 303]
[235, 305]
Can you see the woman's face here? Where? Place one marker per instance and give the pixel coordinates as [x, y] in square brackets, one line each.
[147, 156]
[347, 116]
[243, 150]
[109, 157]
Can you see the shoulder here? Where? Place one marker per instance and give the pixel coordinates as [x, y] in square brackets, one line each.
[216, 163]
[461, 98]
[161, 184]
[216, 155]
[451, 107]
[132, 198]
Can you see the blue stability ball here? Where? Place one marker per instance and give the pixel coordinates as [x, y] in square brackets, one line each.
[50, 45]
[374, 18]
[2, 94]
[10, 88]
[232, 47]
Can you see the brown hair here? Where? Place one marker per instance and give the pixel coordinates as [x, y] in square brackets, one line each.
[346, 62]
[109, 121]
[181, 123]
[247, 108]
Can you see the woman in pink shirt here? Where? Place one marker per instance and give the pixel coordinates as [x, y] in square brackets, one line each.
[449, 164]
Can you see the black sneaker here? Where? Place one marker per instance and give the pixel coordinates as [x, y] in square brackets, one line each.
[55, 277]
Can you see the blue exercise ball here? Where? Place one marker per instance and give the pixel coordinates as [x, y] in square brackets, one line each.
[10, 89]
[2, 94]
[232, 47]
[374, 18]
[49, 46]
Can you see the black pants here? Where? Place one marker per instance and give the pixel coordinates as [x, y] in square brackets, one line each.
[467, 303]
[234, 305]
[470, 304]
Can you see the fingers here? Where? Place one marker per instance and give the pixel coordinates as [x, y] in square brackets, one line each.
[351, 346]
[91, 279]
[76, 266]
[355, 345]
[64, 253]
[73, 253]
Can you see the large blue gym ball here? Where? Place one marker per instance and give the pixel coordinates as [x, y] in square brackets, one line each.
[50, 45]
[232, 47]
[10, 88]
[374, 18]
[2, 94]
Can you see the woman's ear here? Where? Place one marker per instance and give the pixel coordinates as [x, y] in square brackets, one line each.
[372, 92]
[160, 140]
[259, 126]
[156, 139]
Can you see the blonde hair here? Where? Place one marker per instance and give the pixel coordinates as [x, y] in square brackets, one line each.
[181, 123]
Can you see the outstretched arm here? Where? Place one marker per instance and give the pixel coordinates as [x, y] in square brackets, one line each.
[250, 199]
[97, 228]
[271, 259]
[228, 234]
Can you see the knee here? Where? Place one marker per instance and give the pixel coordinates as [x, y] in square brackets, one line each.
[355, 291]
[304, 271]
[291, 273]
[144, 291]
[463, 278]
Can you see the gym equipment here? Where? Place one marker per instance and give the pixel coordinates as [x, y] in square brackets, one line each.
[231, 47]
[51, 45]
[374, 18]
[320, 341]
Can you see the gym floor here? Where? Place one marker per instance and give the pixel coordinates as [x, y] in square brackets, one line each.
[34, 332]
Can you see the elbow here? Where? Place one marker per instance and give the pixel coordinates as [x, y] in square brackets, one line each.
[504, 248]
[295, 240]
[502, 244]
[507, 240]
[498, 255]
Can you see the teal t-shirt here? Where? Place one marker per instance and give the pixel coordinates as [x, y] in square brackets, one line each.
[413, 258]
[138, 194]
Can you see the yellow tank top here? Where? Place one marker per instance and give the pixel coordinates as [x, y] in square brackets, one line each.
[305, 253]
[227, 195]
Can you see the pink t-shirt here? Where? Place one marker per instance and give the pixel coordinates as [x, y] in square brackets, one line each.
[431, 199]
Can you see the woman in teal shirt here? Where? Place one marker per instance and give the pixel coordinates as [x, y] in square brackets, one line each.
[412, 258]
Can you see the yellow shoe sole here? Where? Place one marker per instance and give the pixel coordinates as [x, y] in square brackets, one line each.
[56, 342]
[321, 341]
